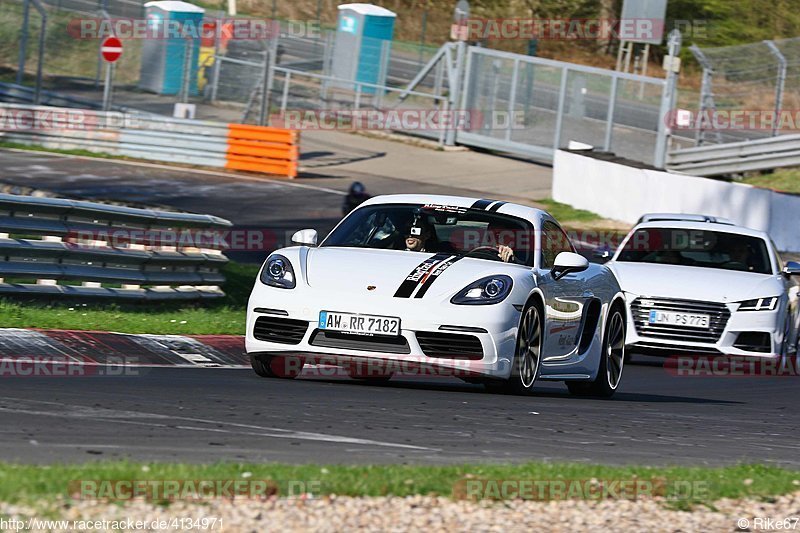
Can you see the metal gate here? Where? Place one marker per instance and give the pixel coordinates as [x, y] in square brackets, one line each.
[533, 106]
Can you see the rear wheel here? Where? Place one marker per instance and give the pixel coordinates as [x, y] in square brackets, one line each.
[527, 359]
[275, 366]
[612, 360]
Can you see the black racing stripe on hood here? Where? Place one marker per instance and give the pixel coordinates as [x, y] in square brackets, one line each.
[497, 206]
[412, 280]
[435, 273]
[482, 204]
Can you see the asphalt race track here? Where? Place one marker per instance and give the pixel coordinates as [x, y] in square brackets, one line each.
[228, 414]
[208, 414]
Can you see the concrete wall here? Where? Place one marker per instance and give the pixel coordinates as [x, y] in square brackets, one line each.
[625, 193]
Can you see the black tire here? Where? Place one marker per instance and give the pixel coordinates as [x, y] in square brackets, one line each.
[269, 366]
[528, 354]
[612, 360]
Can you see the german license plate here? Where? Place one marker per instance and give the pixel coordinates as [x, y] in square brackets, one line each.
[688, 320]
[359, 324]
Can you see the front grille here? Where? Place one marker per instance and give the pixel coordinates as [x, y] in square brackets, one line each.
[718, 313]
[281, 330]
[449, 345]
[374, 343]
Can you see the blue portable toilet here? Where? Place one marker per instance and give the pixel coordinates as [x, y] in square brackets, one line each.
[174, 28]
[363, 37]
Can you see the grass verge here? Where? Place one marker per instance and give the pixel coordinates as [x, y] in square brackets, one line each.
[35, 148]
[226, 316]
[566, 213]
[32, 483]
[783, 180]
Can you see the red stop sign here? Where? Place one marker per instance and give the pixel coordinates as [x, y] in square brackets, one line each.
[111, 49]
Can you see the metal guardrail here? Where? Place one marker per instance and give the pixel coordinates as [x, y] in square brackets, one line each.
[730, 158]
[154, 137]
[59, 247]
[20, 94]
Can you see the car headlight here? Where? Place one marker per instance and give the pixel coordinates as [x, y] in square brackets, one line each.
[278, 272]
[759, 304]
[486, 291]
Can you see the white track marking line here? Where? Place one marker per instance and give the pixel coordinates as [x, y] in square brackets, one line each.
[187, 170]
[113, 415]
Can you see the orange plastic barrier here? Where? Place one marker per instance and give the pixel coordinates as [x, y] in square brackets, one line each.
[263, 149]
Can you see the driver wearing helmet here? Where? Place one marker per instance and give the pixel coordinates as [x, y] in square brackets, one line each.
[419, 235]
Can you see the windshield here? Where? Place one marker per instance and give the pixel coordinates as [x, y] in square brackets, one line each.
[699, 248]
[435, 229]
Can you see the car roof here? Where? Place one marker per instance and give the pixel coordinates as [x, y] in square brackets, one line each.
[505, 208]
[706, 226]
[653, 217]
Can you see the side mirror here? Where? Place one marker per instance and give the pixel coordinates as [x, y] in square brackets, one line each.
[305, 237]
[567, 263]
[792, 268]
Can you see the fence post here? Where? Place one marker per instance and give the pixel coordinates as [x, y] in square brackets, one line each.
[37, 95]
[512, 98]
[706, 94]
[23, 41]
[217, 61]
[780, 82]
[562, 97]
[455, 95]
[660, 156]
[269, 74]
[287, 80]
[105, 15]
[188, 48]
[612, 103]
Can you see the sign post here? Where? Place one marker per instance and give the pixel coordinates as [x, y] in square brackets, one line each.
[111, 51]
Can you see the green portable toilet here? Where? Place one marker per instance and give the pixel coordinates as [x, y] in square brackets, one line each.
[363, 37]
[174, 29]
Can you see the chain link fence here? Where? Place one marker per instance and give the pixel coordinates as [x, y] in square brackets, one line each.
[550, 103]
[229, 73]
[758, 77]
[526, 105]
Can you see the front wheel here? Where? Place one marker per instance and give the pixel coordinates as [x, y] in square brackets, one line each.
[612, 360]
[530, 340]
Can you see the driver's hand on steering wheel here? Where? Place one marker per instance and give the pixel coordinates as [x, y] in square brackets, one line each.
[505, 253]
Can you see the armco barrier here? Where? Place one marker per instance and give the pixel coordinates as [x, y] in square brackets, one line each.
[625, 193]
[737, 157]
[153, 137]
[59, 247]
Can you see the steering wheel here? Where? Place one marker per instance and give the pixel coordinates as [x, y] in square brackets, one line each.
[485, 252]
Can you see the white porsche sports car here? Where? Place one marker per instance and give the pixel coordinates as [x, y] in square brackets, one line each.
[701, 285]
[490, 291]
